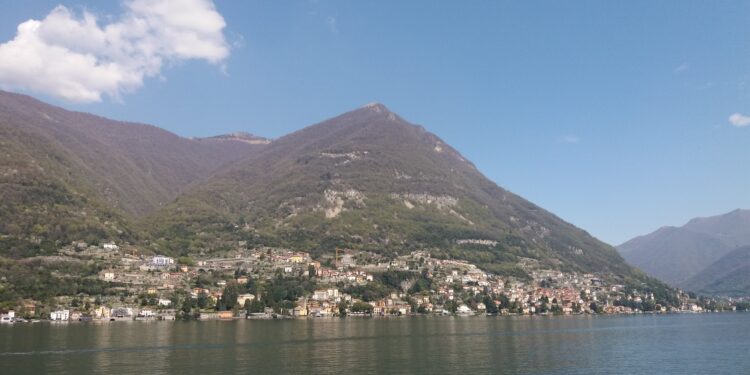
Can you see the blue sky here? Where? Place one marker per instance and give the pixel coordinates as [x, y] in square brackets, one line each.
[613, 115]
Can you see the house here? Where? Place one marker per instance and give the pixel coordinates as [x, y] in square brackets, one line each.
[164, 302]
[298, 257]
[300, 311]
[146, 313]
[29, 307]
[225, 315]
[102, 312]
[209, 316]
[122, 312]
[162, 261]
[108, 275]
[242, 298]
[325, 294]
[60, 315]
[464, 310]
[8, 317]
[110, 246]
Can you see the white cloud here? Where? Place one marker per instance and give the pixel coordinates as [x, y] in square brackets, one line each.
[569, 139]
[331, 22]
[739, 120]
[80, 59]
[681, 68]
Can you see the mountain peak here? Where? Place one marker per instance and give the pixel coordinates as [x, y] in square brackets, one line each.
[376, 107]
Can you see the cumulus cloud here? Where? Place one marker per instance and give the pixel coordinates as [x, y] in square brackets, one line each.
[739, 120]
[81, 59]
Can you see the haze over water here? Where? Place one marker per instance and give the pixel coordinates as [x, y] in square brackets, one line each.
[663, 344]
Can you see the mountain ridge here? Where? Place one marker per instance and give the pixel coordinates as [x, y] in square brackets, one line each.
[728, 276]
[68, 175]
[678, 254]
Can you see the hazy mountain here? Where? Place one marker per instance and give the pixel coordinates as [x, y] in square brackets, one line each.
[676, 255]
[728, 276]
[370, 180]
[68, 175]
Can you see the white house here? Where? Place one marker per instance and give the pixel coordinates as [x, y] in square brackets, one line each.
[164, 302]
[60, 315]
[146, 313]
[110, 246]
[8, 318]
[162, 261]
[464, 310]
[325, 294]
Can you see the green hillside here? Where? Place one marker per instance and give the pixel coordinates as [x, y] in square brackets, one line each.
[369, 180]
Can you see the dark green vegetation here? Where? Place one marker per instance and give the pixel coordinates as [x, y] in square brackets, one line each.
[278, 293]
[365, 180]
[698, 256]
[49, 277]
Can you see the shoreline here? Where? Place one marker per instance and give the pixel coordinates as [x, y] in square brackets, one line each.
[374, 317]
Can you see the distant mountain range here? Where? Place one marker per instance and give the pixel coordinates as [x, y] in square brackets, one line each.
[698, 255]
[365, 180]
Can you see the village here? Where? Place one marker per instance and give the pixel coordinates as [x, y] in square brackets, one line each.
[267, 283]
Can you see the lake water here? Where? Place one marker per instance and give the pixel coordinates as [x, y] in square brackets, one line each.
[660, 344]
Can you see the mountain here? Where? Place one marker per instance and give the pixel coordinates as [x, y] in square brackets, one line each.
[676, 255]
[728, 276]
[366, 180]
[370, 180]
[68, 175]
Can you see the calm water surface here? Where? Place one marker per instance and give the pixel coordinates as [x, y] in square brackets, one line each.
[666, 344]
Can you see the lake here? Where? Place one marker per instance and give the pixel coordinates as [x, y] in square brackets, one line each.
[660, 344]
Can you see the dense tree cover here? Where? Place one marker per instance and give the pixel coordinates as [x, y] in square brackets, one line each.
[278, 292]
[40, 279]
[369, 292]
[663, 294]
[228, 300]
[361, 307]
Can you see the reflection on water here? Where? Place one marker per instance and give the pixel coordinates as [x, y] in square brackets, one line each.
[672, 344]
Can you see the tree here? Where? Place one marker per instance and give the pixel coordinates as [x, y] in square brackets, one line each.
[202, 301]
[342, 308]
[186, 309]
[362, 307]
[451, 306]
[594, 308]
[490, 306]
[504, 301]
[311, 271]
[256, 306]
[576, 307]
[229, 297]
